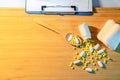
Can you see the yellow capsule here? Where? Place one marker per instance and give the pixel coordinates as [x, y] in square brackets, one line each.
[75, 57]
[100, 57]
[73, 68]
[77, 53]
[83, 67]
[92, 61]
[95, 55]
[104, 55]
[74, 48]
[94, 64]
[78, 57]
[88, 54]
[84, 60]
[91, 57]
[96, 69]
[105, 61]
[71, 64]
[88, 62]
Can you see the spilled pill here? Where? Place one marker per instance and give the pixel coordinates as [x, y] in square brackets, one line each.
[105, 61]
[89, 70]
[78, 57]
[104, 55]
[72, 68]
[91, 49]
[83, 54]
[100, 51]
[100, 57]
[100, 64]
[77, 62]
[77, 53]
[83, 67]
[75, 57]
[71, 64]
[96, 69]
[94, 64]
[77, 40]
[70, 37]
[97, 46]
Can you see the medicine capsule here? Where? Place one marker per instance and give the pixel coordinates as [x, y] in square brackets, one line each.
[70, 37]
[89, 70]
[100, 51]
[97, 46]
[92, 61]
[94, 64]
[100, 64]
[105, 61]
[74, 48]
[104, 55]
[83, 54]
[77, 53]
[96, 69]
[77, 62]
[72, 68]
[78, 57]
[75, 57]
[83, 67]
[77, 40]
[86, 64]
[100, 57]
[71, 64]
[91, 49]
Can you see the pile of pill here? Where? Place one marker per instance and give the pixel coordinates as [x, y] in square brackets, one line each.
[89, 56]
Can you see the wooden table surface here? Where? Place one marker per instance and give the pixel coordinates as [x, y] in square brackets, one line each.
[31, 52]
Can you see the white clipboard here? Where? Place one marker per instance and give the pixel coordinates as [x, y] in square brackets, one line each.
[75, 7]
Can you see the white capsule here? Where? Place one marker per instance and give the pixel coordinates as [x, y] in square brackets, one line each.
[100, 51]
[89, 70]
[100, 64]
[77, 40]
[97, 46]
[84, 31]
[77, 62]
[70, 37]
[91, 49]
[82, 54]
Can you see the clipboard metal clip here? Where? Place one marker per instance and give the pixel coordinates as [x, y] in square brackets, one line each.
[58, 9]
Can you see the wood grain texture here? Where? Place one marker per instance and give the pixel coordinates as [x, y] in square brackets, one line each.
[31, 52]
